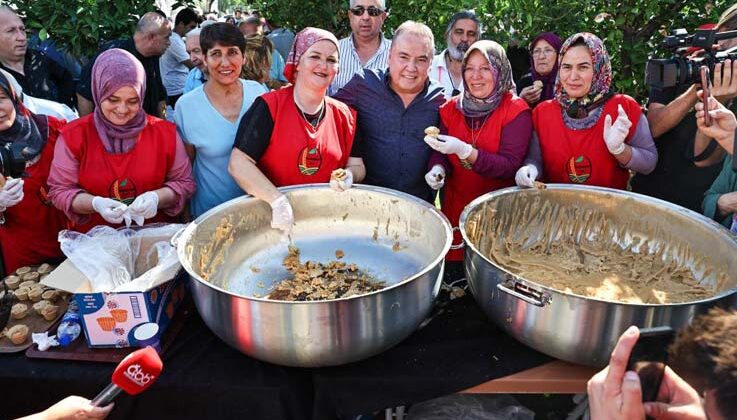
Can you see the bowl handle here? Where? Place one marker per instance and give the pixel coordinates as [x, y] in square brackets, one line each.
[174, 241]
[460, 245]
[524, 292]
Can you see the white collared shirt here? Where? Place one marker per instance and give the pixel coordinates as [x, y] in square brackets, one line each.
[350, 63]
[438, 72]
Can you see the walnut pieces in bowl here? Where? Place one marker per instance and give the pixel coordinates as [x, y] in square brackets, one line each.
[317, 281]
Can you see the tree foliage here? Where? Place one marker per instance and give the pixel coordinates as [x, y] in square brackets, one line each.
[632, 29]
[81, 25]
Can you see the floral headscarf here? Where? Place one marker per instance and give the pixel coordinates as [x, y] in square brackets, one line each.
[306, 38]
[601, 85]
[472, 106]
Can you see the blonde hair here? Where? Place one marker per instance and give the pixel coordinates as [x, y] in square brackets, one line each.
[257, 58]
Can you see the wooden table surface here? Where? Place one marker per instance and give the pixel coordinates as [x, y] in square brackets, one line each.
[556, 377]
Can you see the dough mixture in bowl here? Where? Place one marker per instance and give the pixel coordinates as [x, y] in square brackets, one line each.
[579, 250]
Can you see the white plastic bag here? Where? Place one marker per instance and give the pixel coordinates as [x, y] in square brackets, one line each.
[108, 257]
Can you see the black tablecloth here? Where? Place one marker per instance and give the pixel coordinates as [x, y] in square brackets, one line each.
[204, 378]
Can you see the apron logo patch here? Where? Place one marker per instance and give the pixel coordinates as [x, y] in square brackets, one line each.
[309, 161]
[579, 169]
[123, 191]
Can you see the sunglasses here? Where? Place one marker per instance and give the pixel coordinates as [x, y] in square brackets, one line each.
[372, 11]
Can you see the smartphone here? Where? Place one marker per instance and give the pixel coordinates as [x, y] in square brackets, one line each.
[706, 88]
[649, 357]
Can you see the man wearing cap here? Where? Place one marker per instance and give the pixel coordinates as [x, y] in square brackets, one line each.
[463, 30]
[366, 48]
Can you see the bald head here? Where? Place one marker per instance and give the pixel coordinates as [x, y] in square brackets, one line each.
[152, 34]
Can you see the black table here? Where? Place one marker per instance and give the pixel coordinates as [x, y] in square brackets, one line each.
[204, 378]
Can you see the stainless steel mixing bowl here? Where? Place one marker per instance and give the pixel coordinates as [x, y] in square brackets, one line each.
[576, 328]
[234, 258]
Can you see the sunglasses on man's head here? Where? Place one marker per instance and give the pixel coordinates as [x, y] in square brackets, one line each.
[372, 10]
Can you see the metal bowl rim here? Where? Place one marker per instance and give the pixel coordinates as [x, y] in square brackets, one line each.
[192, 226]
[652, 200]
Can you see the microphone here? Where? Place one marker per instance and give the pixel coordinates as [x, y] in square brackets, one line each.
[134, 374]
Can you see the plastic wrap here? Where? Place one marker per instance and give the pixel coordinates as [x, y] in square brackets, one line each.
[110, 258]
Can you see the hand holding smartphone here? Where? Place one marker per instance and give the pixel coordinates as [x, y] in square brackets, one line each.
[706, 89]
[648, 358]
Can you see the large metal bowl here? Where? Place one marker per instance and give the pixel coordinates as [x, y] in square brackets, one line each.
[582, 329]
[233, 258]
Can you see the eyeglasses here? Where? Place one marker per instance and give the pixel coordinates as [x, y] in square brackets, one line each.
[372, 11]
[542, 53]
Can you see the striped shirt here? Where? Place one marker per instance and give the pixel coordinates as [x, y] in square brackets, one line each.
[350, 63]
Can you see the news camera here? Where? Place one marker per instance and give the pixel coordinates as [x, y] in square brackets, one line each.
[682, 70]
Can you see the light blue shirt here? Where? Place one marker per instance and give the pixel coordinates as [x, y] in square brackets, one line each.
[202, 126]
[194, 79]
[276, 72]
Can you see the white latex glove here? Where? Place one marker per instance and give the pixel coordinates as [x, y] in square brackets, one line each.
[449, 145]
[282, 216]
[526, 176]
[11, 194]
[143, 207]
[615, 134]
[435, 178]
[344, 184]
[110, 210]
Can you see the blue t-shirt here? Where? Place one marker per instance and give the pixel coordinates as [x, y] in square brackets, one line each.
[194, 79]
[202, 126]
[276, 72]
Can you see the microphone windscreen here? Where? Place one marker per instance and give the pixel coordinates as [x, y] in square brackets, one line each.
[138, 371]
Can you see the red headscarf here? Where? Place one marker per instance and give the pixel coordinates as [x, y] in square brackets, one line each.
[306, 38]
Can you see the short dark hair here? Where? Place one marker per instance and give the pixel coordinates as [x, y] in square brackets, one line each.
[221, 33]
[704, 354]
[186, 16]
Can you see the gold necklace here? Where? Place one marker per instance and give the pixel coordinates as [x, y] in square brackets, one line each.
[474, 138]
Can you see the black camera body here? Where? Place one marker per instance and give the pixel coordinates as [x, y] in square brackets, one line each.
[12, 160]
[681, 70]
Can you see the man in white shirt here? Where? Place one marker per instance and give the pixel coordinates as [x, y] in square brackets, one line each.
[366, 47]
[175, 62]
[463, 30]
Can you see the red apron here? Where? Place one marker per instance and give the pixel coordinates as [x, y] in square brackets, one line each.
[123, 176]
[297, 152]
[464, 185]
[29, 235]
[581, 156]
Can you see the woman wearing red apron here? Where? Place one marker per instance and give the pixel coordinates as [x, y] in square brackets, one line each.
[29, 223]
[588, 134]
[486, 132]
[297, 135]
[118, 164]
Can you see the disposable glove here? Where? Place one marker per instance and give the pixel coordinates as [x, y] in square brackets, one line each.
[110, 210]
[526, 176]
[435, 178]
[11, 194]
[143, 207]
[341, 179]
[282, 216]
[615, 134]
[450, 145]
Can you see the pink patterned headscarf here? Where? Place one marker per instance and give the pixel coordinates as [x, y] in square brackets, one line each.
[114, 69]
[306, 38]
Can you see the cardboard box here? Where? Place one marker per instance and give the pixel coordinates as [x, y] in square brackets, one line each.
[109, 319]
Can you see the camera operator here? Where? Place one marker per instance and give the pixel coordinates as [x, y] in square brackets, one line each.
[688, 161]
[703, 356]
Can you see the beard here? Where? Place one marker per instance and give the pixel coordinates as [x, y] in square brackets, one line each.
[456, 52]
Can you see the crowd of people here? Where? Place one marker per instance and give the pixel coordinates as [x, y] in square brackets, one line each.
[188, 113]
